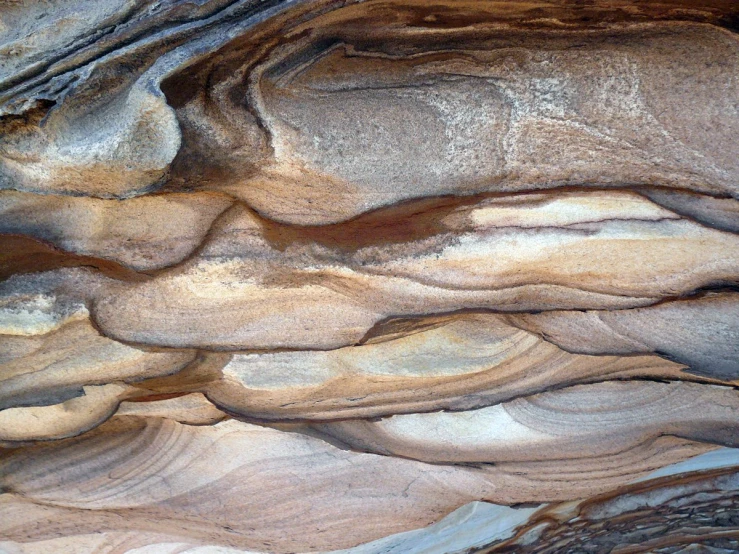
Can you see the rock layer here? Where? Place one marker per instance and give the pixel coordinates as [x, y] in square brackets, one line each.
[369, 277]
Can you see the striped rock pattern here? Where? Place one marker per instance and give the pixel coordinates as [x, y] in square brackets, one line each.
[369, 276]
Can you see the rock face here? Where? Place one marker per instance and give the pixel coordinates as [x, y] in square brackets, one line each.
[380, 276]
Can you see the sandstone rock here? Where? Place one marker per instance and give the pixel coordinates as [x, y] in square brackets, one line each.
[369, 276]
[583, 421]
[460, 362]
[550, 251]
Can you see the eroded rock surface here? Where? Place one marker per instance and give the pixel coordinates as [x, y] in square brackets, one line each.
[368, 277]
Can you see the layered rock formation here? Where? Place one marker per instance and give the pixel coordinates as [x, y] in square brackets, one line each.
[377, 276]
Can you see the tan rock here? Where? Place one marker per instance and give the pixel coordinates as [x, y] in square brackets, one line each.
[207, 483]
[583, 421]
[143, 233]
[458, 362]
[531, 252]
[369, 277]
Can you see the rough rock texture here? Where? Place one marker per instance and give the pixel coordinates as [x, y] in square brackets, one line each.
[369, 277]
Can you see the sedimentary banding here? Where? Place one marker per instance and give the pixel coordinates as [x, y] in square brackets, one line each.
[459, 362]
[39, 369]
[576, 422]
[356, 123]
[391, 276]
[678, 515]
[700, 332]
[143, 234]
[206, 483]
[531, 252]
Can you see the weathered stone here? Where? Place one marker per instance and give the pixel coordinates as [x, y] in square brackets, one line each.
[369, 276]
